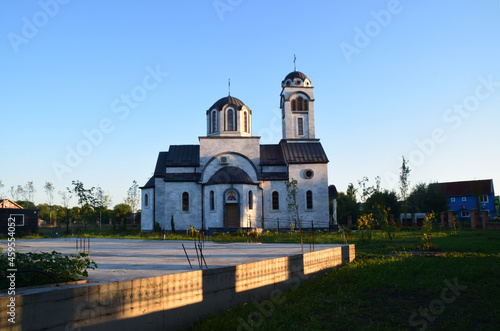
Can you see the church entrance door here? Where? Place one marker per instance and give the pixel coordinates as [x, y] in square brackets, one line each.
[232, 220]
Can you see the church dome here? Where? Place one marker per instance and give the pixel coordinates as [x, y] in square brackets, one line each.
[221, 103]
[296, 78]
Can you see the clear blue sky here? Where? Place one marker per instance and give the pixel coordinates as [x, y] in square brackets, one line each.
[392, 78]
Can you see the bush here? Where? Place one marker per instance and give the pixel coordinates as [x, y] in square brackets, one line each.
[64, 268]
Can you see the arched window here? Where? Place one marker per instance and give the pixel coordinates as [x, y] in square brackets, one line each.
[299, 103]
[309, 200]
[306, 105]
[230, 124]
[276, 200]
[245, 121]
[300, 126]
[185, 201]
[294, 104]
[214, 121]
[250, 200]
[146, 200]
[212, 200]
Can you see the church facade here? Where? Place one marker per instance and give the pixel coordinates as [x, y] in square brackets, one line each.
[229, 180]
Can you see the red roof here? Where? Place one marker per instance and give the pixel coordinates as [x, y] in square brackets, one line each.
[472, 187]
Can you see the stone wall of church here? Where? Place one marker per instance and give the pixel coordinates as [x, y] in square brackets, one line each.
[171, 201]
[235, 160]
[318, 185]
[214, 218]
[210, 147]
[147, 211]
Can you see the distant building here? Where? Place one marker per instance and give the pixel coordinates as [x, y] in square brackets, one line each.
[7, 203]
[231, 181]
[26, 220]
[464, 196]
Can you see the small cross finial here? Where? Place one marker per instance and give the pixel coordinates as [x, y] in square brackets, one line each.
[294, 63]
[229, 86]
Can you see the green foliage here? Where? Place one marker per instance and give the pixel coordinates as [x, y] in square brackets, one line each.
[64, 268]
[292, 204]
[346, 206]
[426, 232]
[426, 198]
[172, 224]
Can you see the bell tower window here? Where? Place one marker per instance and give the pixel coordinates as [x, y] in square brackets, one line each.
[245, 121]
[294, 104]
[230, 120]
[300, 126]
[214, 121]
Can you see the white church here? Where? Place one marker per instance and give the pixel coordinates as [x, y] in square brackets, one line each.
[230, 181]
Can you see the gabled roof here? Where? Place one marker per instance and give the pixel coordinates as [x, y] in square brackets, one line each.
[303, 152]
[183, 156]
[230, 175]
[160, 164]
[7, 203]
[149, 184]
[271, 155]
[464, 188]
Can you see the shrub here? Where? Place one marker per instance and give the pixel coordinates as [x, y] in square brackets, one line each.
[64, 268]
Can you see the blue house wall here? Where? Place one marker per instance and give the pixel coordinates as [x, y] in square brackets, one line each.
[464, 204]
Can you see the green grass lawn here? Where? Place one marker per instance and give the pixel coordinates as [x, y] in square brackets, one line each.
[383, 291]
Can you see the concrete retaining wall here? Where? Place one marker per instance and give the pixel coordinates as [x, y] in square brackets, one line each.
[167, 302]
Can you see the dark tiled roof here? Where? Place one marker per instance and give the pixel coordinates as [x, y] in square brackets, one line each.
[150, 183]
[182, 177]
[295, 74]
[271, 155]
[303, 152]
[227, 100]
[230, 175]
[473, 187]
[160, 164]
[274, 176]
[183, 156]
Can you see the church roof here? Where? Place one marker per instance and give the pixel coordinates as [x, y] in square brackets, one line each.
[295, 74]
[219, 104]
[183, 156]
[271, 155]
[230, 175]
[150, 183]
[303, 152]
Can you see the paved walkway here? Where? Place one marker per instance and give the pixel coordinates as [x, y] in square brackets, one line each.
[127, 259]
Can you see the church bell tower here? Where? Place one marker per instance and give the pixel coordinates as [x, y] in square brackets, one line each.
[297, 107]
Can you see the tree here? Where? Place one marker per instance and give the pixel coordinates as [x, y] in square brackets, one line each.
[291, 199]
[17, 193]
[1, 187]
[346, 206]
[366, 190]
[49, 190]
[29, 192]
[427, 198]
[386, 200]
[85, 197]
[102, 202]
[122, 211]
[351, 191]
[404, 183]
[133, 197]
[66, 197]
